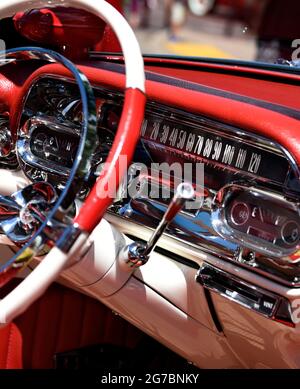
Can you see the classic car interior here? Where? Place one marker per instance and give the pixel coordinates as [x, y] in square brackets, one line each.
[206, 265]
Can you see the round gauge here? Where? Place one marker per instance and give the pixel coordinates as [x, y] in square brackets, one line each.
[240, 213]
[38, 143]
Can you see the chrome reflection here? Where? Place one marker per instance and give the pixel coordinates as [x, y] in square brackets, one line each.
[78, 174]
[24, 148]
[256, 219]
[23, 212]
[137, 254]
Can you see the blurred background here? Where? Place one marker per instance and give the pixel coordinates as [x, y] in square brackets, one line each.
[262, 30]
[250, 30]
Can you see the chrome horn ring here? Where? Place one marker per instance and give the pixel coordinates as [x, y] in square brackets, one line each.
[47, 215]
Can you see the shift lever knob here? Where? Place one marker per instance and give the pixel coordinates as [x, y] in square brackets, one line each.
[137, 254]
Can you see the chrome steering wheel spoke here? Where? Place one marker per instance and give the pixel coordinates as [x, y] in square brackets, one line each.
[23, 212]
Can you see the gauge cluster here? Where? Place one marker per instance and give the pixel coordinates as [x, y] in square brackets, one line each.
[260, 222]
[53, 146]
[50, 131]
[207, 144]
[51, 124]
[260, 219]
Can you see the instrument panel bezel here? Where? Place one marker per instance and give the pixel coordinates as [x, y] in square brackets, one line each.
[290, 190]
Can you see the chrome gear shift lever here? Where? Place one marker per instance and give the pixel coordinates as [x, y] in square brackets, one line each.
[137, 254]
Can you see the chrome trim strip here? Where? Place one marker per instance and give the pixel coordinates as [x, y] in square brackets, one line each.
[245, 294]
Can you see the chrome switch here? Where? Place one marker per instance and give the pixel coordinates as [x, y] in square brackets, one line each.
[137, 253]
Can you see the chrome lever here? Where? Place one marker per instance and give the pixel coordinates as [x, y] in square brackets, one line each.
[137, 254]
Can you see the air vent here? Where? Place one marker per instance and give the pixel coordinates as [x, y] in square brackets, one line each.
[249, 296]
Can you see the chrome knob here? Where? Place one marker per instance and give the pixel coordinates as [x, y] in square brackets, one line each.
[137, 254]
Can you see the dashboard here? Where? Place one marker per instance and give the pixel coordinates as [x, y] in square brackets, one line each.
[245, 210]
[221, 286]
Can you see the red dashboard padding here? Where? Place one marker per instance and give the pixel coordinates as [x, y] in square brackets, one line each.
[10, 347]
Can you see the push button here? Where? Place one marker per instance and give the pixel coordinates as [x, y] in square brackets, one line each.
[290, 232]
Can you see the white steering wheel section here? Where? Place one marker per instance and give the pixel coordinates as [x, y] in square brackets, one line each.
[35, 284]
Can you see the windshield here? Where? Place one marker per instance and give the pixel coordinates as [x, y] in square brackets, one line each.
[248, 30]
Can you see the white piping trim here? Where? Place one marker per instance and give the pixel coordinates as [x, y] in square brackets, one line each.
[134, 63]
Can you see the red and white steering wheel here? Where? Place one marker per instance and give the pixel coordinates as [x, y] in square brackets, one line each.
[92, 211]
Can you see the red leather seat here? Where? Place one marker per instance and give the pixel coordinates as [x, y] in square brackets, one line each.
[60, 321]
[10, 347]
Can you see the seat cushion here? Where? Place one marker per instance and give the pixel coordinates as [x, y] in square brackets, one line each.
[10, 347]
[61, 320]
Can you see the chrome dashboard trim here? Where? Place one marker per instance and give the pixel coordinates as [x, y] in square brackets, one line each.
[246, 294]
[197, 231]
[222, 227]
[24, 149]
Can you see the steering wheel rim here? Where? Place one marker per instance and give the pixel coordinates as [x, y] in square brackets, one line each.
[125, 141]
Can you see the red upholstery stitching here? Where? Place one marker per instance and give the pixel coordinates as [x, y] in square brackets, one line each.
[61, 320]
